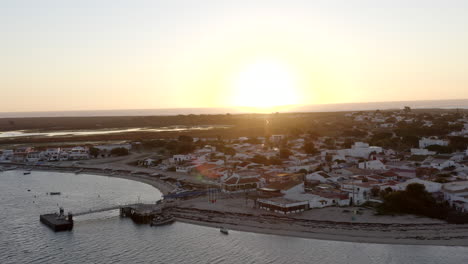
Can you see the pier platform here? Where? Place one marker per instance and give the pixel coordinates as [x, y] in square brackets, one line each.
[57, 222]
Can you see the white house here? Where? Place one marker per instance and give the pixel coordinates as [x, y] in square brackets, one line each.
[78, 153]
[7, 155]
[359, 192]
[52, 154]
[33, 156]
[359, 150]
[456, 194]
[422, 152]
[372, 165]
[181, 158]
[110, 147]
[438, 163]
[425, 142]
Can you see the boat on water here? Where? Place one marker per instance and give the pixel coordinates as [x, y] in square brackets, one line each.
[26, 173]
[224, 230]
[54, 193]
[162, 220]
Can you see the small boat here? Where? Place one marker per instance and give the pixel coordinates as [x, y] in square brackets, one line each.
[224, 230]
[54, 193]
[162, 220]
[26, 173]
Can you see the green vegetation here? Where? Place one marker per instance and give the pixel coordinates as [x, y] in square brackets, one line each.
[414, 200]
[309, 148]
[119, 152]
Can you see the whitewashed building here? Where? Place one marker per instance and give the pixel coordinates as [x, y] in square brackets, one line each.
[360, 150]
[372, 165]
[425, 142]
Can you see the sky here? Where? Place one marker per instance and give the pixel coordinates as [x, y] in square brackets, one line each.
[110, 54]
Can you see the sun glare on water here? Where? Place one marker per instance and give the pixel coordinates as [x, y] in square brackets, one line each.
[265, 85]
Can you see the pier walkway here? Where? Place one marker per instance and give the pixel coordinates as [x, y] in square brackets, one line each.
[113, 207]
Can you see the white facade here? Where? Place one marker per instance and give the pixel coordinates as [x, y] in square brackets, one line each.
[422, 152]
[425, 142]
[7, 155]
[358, 192]
[110, 147]
[456, 194]
[181, 158]
[360, 150]
[372, 165]
[33, 156]
[441, 164]
[78, 153]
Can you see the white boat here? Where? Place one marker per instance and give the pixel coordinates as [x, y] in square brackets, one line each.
[224, 230]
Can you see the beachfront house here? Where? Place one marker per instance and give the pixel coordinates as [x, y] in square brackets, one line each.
[33, 156]
[78, 153]
[456, 194]
[240, 182]
[6, 155]
[282, 205]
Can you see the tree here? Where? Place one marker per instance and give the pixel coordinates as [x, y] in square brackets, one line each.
[229, 151]
[184, 138]
[119, 152]
[260, 159]
[309, 148]
[284, 153]
[330, 142]
[407, 109]
[94, 152]
[413, 200]
[375, 191]
[275, 161]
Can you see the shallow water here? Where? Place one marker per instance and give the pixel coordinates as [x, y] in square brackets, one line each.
[11, 134]
[107, 238]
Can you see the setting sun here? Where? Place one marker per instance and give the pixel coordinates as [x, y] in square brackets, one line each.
[264, 84]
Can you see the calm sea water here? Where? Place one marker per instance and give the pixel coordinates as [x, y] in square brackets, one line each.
[444, 104]
[106, 238]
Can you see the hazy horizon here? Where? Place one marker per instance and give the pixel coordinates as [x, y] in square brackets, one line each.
[98, 55]
[342, 107]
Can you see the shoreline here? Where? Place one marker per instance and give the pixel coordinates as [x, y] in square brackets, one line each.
[317, 236]
[155, 182]
[399, 234]
[342, 232]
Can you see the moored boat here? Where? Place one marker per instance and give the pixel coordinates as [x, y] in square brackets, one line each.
[224, 230]
[162, 220]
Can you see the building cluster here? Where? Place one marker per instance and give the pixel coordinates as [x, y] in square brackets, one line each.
[331, 176]
[31, 155]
